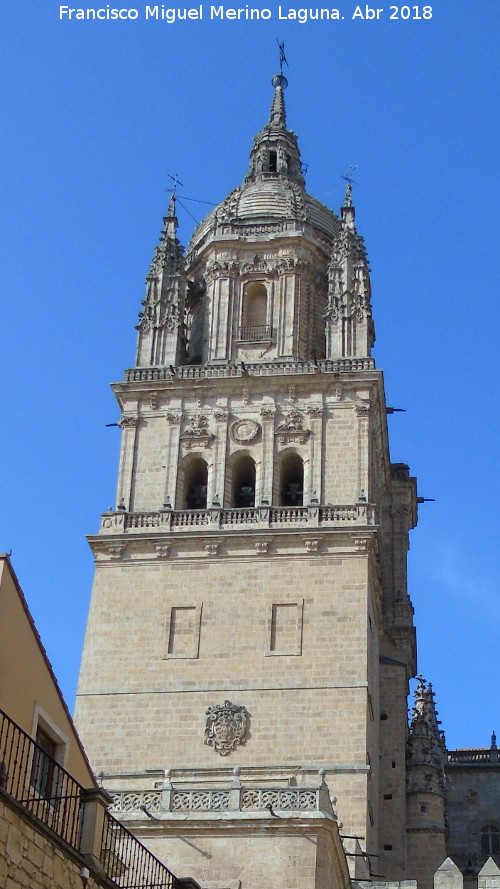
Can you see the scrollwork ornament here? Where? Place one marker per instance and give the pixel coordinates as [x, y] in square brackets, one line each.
[226, 727]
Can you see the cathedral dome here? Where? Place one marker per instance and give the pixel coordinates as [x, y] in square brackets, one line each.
[274, 188]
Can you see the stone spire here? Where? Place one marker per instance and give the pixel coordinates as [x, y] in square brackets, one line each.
[277, 117]
[275, 151]
[426, 740]
[350, 331]
[160, 325]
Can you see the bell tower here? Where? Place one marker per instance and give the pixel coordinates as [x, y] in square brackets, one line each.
[250, 638]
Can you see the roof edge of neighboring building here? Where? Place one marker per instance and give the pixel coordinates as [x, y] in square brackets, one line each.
[5, 557]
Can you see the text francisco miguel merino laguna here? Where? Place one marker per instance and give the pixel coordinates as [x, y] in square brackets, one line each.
[171, 15]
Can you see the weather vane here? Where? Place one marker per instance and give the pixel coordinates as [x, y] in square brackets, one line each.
[280, 79]
[175, 179]
[283, 58]
[348, 176]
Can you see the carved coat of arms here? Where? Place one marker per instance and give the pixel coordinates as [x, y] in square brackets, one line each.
[226, 727]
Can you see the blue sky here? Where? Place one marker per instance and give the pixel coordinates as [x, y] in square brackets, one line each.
[96, 115]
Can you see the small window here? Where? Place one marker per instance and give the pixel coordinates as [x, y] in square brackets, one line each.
[387, 847]
[273, 161]
[490, 840]
[423, 808]
[44, 766]
[387, 795]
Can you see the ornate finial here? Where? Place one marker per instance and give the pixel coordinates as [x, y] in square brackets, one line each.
[280, 83]
[170, 220]
[347, 209]
[493, 741]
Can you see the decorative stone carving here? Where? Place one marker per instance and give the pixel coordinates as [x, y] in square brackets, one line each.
[471, 797]
[244, 431]
[212, 548]
[154, 401]
[128, 420]
[114, 551]
[291, 429]
[221, 414]
[226, 727]
[245, 395]
[172, 419]
[292, 393]
[315, 410]
[312, 544]
[261, 546]
[267, 412]
[362, 410]
[197, 434]
[162, 551]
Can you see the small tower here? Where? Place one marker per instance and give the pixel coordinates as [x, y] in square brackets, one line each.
[161, 321]
[350, 331]
[426, 819]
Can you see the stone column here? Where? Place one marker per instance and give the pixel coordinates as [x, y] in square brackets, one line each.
[315, 493]
[95, 803]
[221, 417]
[363, 415]
[265, 495]
[172, 459]
[129, 427]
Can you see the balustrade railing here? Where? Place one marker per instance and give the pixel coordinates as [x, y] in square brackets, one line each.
[473, 756]
[238, 799]
[260, 368]
[359, 514]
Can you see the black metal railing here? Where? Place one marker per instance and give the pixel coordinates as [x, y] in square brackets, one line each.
[38, 782]
[255, 333]
[128, 862]
[41, 785]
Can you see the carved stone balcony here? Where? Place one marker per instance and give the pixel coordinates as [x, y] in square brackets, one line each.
[275, 517]
[131, 804]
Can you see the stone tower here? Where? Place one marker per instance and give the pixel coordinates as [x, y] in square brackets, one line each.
[426, 758]
[250, 639]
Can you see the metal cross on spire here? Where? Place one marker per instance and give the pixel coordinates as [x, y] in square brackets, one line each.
[175, 179]
[280, 79]
[283, 58]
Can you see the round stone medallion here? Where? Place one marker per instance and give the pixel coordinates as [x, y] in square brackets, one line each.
[244, 431]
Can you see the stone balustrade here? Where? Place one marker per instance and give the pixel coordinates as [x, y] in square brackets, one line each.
[358, 514]
[255, 369]
[138, 803]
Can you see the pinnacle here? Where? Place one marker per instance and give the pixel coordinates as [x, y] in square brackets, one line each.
[277, 116]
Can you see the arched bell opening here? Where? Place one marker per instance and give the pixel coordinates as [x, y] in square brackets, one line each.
[292, 480]
[244, 479]
[195, 484]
